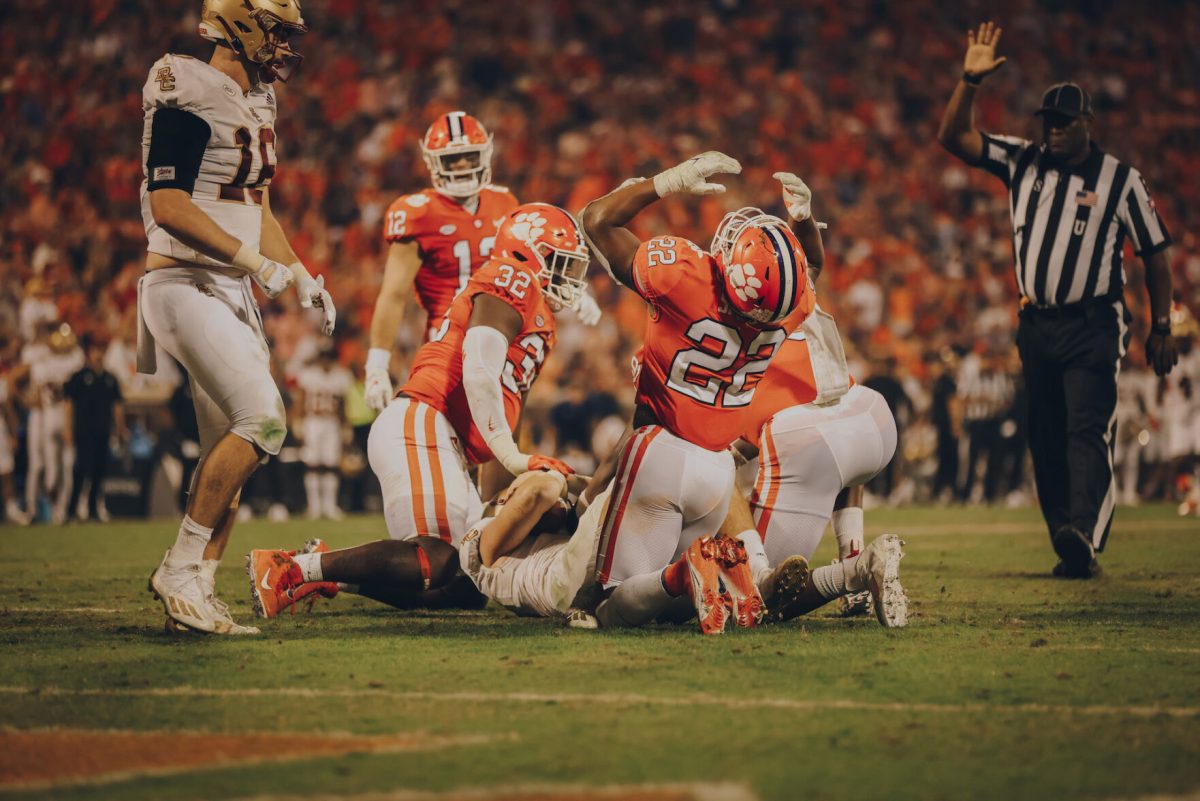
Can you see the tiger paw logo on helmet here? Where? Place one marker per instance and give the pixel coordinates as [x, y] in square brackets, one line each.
[744, 281]
[528, 225]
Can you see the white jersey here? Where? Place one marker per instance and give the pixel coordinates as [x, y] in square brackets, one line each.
[239, 160]
[50, 371]
[323, 389]
[545, 573]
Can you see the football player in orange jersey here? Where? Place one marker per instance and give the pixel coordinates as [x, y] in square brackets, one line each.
[716, 320]
[438, 238]
[463, 397]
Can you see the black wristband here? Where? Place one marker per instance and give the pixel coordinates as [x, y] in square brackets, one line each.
[1161, 327]
[972, 80]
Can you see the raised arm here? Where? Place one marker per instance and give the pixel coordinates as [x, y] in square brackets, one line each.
[797, 198]
[604, 219]
[958, 133]
[399, 273]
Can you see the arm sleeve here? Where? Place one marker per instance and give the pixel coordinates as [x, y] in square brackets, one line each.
[1000, 154]
[484, 352]
[1140, 218]
[177, 142]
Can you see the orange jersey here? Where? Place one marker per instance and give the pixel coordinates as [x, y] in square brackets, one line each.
[454, 242]
[701, 361]
[789, 382]
[436, 376]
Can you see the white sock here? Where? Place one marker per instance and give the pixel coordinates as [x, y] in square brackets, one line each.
[329, 492]
[832, 581]
[208, 572]
[848, 529]
[312, 488]
[636, 602]
[756, 556]
[189, 545]
[310, 566]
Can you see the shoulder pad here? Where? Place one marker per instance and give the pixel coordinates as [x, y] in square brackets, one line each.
[405, 215]
[181, 82]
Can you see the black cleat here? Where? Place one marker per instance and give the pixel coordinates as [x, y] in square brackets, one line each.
[1076, 552]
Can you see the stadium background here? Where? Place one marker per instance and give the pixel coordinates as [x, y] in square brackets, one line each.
[580, 96]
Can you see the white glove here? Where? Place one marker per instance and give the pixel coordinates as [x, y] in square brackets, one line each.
[314, 295]
[272, 276]
[588, 310]
[690, 176]
[377, 391]
[797, 197]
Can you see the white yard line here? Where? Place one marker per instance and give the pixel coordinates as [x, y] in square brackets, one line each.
[614, 699]
[719, 791]
[59, 610]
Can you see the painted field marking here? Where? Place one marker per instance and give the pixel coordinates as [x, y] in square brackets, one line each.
[693, 791]
[69, 610]
[41, 758]
[615, 699]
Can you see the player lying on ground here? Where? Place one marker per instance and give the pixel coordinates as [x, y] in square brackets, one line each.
[716, 320]
[473, 377]
[421, 572]
[208, 151]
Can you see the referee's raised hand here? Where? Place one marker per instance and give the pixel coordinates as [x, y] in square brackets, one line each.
[981, 60]
[1162, 352]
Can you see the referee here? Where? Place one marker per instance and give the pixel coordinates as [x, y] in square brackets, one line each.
[1072, 207]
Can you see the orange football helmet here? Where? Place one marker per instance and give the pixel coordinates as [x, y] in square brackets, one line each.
[455, 136]
[764, 268]
[551, 238]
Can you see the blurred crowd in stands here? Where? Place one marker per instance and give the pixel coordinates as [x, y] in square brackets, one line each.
[580, 95]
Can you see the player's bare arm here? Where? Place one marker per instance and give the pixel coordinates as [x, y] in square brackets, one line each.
[958, 133]
[1162, 351]
[605, 218]
[530, 497]
[399, 274]
[797, 198]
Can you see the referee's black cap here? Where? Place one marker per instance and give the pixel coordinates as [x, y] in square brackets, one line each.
[1067, 99]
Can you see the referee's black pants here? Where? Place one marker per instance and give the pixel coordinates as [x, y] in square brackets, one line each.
[1071, 357]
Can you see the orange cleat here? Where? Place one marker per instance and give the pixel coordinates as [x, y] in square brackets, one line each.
[747, 608]
[273, 577]
[704, 586]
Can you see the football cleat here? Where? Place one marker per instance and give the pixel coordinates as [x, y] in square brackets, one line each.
[748, 607]
[878, 568]
[581, 619]
[705, 587]
[854, 604]
[273, 576]
[183, 595]
[784, 588]
[1076, 552]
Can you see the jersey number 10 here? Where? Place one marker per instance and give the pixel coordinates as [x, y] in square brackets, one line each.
[266, 150]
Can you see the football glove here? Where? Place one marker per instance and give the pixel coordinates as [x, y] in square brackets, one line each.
[272, 277]
[314, 295]
[691, 175]
[588, 310]
[797, 197]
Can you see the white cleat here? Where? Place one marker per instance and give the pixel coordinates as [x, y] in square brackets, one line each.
[581, 619]
[225, 624]
[878, 568]
[183, 593]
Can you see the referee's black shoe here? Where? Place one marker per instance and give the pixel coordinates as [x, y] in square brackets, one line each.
[1076, 552]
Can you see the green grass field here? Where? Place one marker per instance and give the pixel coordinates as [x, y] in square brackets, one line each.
[1007, 684]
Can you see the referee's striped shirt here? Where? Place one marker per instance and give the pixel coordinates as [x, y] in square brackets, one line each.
[1070, 222]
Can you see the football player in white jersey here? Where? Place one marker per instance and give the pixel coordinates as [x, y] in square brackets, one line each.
[47, 363]
[209, 153]
[13, 514]
[322, 388]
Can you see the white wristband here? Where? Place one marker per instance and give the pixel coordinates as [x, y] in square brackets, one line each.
[378, 359]
[248, 260]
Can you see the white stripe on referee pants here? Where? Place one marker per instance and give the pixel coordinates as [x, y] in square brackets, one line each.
[1110, 497]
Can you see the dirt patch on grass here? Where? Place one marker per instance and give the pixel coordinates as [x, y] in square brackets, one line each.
[52, 757]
